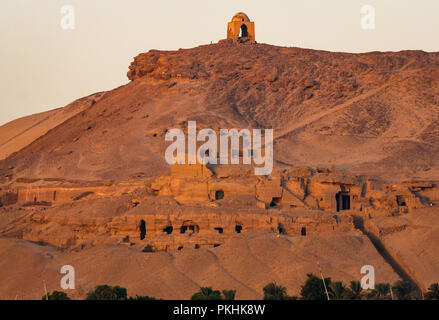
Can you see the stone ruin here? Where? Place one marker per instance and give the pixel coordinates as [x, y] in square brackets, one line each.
[200, 206]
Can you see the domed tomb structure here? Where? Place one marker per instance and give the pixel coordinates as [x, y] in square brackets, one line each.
[241, 29]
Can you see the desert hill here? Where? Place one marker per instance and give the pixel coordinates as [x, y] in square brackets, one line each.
[372, 113]
[355, 181]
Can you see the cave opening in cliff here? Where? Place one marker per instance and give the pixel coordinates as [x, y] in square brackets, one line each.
[238, 228]
[180, 248]
[303, 231]
[343, 201]
[400, 200]
[197, 246]
[219, 194]
[281, 229]
[275, 202]
[168, 229]
[142, 229]
[220, 230]
[189, 225]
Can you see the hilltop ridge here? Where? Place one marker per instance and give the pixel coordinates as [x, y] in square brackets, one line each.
[372, 113]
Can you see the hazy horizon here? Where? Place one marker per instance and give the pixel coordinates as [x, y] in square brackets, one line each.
[45, 67]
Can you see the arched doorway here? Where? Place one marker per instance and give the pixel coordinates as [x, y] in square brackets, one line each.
[244, 31]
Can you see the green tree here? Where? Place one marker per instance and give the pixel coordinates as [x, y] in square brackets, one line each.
[145, 298]
[314, 289]
[381, 292]
[405, 290]
[106, 292]
[272, 291]
[229, 294]
[56, 295]
[337, 291]
[355, 291]
[433, 292]
[207, 293]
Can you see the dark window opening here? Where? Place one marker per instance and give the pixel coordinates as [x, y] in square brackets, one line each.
[219, 194]
[216, 245]
[180, 248]
[220, 230]
[168, 229]
[238, 228]
[148, 248]
[142, 229]
[303, 231]
[244, 32]
[400, 200]
[281, 229]
[54, 195]
[275, 202]
[189, 225]
[343, 201]
[197, 246]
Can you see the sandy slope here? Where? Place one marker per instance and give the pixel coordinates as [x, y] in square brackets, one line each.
[19, 133]
[415, 240]
[246, 263]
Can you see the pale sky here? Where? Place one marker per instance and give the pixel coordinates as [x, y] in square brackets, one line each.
[45, 67]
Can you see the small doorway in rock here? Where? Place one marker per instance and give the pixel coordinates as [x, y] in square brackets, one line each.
[244, 32]
[343, 201]
[220, 230]
[238, 228]
[303, 231]
[180, 248]
[219, 194]
[142, 229]
[189, 225]
[400, 200]
[197, 246]
[281, 229]
[168, 229]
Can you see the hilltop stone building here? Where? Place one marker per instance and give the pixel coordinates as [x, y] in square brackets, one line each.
[241, 29]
